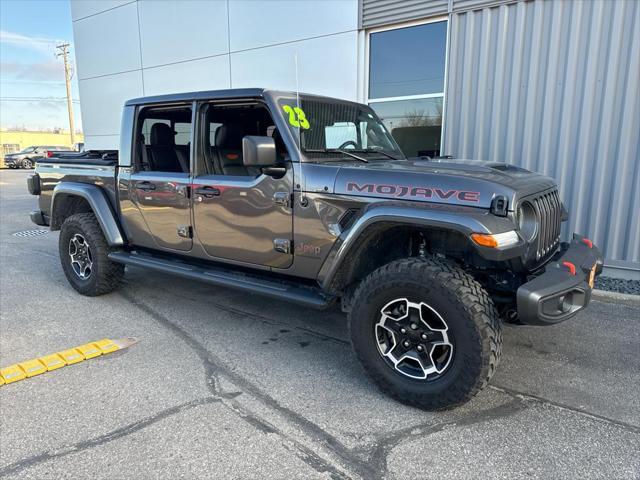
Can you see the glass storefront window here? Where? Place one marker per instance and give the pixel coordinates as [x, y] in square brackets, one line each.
[407, 61]
[415, 124]
[406, 84]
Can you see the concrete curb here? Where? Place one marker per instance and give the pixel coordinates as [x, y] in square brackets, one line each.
[615, 297]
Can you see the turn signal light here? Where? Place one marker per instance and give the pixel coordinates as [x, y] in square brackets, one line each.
[484, 240]
[496, 240]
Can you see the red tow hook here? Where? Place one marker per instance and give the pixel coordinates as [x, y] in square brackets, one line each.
[587, 242]
[571, 267]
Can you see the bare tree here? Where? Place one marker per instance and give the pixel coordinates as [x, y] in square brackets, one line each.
[419, 118]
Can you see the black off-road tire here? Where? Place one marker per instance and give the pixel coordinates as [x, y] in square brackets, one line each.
[105, 275]
[472, 320]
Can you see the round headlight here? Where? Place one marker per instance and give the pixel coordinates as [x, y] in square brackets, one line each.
[527, 221]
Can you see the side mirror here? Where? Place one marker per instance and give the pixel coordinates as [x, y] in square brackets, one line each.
[260, 152]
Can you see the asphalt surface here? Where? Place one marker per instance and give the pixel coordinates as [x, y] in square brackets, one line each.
[227, 385]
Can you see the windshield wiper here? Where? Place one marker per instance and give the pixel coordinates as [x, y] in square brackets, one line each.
[375, 150]
[337, 150]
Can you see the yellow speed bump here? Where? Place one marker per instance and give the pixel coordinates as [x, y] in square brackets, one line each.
[52, 362]
[89, 351]
[32, 368]
[47, 363]
[107, 346]
[71, 356]
[12, 374]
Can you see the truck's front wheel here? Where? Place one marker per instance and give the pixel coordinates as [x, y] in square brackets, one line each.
[426, 332]
[83, 254]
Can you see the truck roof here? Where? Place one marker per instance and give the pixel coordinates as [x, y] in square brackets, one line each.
[228, 93]
[202, 95]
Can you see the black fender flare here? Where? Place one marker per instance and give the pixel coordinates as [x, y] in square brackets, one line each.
[464, 220]
[99, 204]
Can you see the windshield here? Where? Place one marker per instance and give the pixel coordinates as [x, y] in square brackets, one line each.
[28, 150]
[326, 126]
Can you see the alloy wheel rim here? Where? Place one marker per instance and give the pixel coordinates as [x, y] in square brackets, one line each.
[413, 339]
[81, 257]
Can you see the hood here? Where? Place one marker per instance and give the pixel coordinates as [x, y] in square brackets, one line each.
[459, 182]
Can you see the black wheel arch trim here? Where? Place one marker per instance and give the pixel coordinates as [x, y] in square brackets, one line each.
[464, 220]
[99, 204]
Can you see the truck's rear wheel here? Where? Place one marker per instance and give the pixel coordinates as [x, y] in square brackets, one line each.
[426, 332]
[83, 254]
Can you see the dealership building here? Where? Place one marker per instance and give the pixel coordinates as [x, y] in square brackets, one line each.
[552, 86]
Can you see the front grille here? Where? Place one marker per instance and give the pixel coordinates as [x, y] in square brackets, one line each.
[549, 211]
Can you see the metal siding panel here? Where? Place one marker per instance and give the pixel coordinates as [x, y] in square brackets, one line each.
[555, 87]
[464, 5]
[385, 12]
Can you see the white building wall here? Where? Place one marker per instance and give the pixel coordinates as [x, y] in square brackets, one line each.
[127, 49]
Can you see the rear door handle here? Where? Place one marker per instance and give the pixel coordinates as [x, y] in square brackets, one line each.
[146, 186]
[207, 192]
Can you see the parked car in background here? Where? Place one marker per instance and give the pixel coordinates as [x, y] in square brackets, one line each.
[27, 157]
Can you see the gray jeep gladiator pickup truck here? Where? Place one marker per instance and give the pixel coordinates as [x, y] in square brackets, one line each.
[309, 199]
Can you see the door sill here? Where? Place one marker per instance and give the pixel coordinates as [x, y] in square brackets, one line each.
[281, 289]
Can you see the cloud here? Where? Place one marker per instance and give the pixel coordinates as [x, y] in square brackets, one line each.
[50, 70]
[38, 44]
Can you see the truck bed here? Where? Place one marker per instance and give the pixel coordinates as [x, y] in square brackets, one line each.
[95, 167]
[91, 157]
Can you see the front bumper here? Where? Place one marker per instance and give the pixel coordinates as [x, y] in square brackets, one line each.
[564, 288]
[10, 162]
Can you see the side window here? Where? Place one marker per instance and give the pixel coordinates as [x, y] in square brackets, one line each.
[147, 124]
[183, 133]
[163, 139]
[224, 128]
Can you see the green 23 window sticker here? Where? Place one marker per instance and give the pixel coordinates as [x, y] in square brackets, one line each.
[297, 117]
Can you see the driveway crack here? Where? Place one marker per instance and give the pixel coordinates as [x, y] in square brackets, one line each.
[379, 452]
[102, 439]
[562, 406]
[215, 368]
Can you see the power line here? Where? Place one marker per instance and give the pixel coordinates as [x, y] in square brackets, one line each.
[35, 99]
[32, 82]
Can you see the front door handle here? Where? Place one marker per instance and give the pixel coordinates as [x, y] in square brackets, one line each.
[207, 192]
[146, 186]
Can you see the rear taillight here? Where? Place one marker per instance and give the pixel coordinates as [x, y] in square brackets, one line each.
[49, 154]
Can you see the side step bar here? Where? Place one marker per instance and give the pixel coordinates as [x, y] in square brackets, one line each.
[282, 290]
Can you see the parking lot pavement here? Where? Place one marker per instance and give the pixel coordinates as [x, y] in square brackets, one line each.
[228, 385]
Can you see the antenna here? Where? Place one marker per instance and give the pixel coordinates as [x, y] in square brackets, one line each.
[303, 199]
[295, 58]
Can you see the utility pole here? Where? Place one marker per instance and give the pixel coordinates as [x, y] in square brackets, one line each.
[64, 51]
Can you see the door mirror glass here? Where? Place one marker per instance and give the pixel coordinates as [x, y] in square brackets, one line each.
[258, 151]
